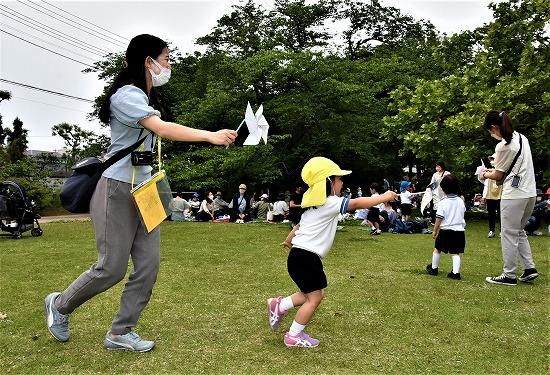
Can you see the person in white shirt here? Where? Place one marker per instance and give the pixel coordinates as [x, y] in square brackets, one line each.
[280, 209]
[310, 241]
[373, 216]
[437, 193]
[449, 227]
[405, 198]
[491, 194]
[514, 167]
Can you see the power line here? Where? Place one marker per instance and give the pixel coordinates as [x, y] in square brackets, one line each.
[45, 41]
[48, 104]
[94, 33]
[91, 23]
[24, 18]
[49, 33]
[47, 49]
[46, 91]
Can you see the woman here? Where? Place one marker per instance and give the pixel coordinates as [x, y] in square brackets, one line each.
[513, 166]
[206, 211]
[132, 110]
[437, 193]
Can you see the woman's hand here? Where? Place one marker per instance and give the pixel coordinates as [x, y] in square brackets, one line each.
[390, 196]
[223, 137]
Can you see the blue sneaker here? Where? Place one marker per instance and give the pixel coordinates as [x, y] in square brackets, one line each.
[130, 341]
[58, 324]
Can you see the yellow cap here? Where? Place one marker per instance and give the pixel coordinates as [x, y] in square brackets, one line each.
[242, 186]
[315, 173]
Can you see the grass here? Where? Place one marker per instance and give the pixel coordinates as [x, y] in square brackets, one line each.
[382, 314]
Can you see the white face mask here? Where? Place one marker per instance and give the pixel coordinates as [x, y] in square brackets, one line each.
[496, 137]
[211, 196]
[161, 78]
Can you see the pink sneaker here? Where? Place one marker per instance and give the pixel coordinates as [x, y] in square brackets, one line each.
[303, 340]
[274, 314]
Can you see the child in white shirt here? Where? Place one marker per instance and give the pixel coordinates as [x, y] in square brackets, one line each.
[310, 241]
[449, 227]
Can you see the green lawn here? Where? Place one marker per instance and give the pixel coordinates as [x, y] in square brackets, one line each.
[382, 313]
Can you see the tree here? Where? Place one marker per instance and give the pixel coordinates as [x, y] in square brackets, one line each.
[75, 138]
[442, 118]
[4, 95]
[17, 141]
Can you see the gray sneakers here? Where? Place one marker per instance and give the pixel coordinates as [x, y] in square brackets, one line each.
[58, 324]
[130, 341]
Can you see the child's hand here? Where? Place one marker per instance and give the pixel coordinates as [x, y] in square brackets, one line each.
[390, 196]
[286, 244]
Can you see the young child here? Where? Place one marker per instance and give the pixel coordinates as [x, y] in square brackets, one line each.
[311, 240]
[449, 226]
[405, 198]
[373, 216]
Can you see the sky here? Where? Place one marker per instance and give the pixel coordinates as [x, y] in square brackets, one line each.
[179, 22]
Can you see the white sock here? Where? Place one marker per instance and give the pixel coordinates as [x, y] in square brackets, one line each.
[286, 304]
[296, 328]
[456, 263]
[435, 259]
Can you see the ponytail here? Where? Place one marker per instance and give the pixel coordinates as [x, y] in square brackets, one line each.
[501, 120]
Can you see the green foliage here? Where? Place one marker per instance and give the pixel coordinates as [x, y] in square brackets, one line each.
[74, 137]
[17, 141]
[508, 69]
[32, 178]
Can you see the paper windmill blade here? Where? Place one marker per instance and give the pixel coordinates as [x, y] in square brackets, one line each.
[257, 126]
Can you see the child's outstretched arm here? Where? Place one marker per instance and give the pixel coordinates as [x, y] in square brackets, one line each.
[288, 241]
[357, 203]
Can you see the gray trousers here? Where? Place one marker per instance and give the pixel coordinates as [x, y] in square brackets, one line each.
[513, 217]
[119, 235]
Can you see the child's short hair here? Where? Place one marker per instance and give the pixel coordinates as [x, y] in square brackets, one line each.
[449, 184]
[376, 187]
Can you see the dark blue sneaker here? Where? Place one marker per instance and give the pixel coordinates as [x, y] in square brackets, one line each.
[502, 280]
[529, 274]
[58, 324]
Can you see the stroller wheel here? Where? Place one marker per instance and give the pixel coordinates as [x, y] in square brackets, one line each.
[36, 232]
[16, 235]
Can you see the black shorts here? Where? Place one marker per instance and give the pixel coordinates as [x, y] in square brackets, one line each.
[450, 241]
[306, 270]
[373, 214]
[406, 209]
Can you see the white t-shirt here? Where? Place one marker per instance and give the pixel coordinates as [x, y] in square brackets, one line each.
[504, 156]
[405, 197]
[380, 206]
[318, 226]
[437, 193]
[451, 211]
[279, 208]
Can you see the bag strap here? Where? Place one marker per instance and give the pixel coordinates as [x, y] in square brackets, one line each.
[516, 158]
[122, 153]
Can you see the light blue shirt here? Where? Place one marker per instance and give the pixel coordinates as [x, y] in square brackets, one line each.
[129, 105]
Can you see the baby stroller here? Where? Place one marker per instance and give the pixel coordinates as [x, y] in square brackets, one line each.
[17, 211]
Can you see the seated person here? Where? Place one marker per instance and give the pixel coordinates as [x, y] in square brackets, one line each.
[206, 210]
[195, 204]
[387, 217]
[262, 207]
[221, 207]
[179, 206]
[280, 209]
[240, 207]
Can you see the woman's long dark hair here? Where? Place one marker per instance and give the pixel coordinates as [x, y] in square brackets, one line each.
[502, 121]
[140, 47]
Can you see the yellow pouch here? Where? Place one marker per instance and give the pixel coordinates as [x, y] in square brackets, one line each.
[152, 198]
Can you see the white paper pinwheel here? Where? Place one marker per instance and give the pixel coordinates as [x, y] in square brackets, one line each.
[257, 126]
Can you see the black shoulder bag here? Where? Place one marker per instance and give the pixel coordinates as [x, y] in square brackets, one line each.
[501, 181]
[77, 191]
